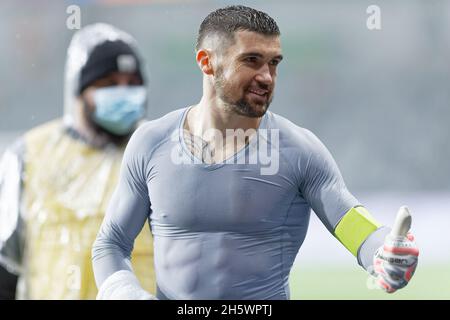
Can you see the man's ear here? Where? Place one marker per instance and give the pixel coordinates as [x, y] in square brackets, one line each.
[204, 61]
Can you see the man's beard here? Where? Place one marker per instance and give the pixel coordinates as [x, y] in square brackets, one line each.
[242, 106]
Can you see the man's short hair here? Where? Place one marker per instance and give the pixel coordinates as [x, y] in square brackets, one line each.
[226, 21]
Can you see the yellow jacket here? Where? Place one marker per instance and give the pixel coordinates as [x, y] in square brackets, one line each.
[66, 187]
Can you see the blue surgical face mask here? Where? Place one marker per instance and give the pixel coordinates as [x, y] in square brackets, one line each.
[119, 108]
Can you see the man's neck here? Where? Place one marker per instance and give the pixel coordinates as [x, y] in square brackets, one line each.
[206, 120]
[210, 114]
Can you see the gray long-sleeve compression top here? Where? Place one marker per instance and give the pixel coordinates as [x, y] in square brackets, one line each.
[221, 231]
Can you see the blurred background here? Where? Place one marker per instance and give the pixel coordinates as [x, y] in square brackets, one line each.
[379, 100]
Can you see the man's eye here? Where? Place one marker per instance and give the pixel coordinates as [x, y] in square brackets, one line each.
[274, 62]
[105, 83]
[251, 59]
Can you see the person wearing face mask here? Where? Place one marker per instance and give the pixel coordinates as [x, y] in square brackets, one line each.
[56, 180]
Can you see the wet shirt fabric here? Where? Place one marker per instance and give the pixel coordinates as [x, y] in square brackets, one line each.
[229, 230]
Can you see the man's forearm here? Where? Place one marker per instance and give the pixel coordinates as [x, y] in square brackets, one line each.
[108, 258]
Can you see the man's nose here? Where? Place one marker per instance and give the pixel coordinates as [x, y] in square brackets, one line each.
[264, 76]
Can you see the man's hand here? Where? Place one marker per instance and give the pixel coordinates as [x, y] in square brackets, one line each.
[123, 285]
[396, 261]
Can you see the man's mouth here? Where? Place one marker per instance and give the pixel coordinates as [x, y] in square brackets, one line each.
[259, 92]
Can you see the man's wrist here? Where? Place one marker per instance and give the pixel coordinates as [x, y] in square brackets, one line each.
[369, 247]
[123, 285]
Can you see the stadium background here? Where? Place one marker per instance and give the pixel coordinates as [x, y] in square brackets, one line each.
[379, 100]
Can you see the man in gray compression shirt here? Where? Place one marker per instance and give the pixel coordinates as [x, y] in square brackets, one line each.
[227, 187]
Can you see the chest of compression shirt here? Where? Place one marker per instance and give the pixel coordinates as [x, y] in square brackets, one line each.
[221, 231]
